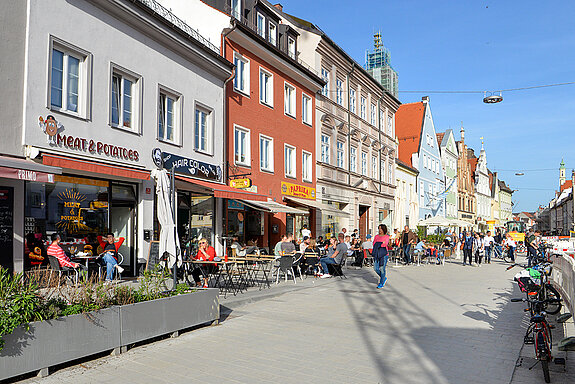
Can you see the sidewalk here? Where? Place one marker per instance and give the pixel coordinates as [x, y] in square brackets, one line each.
[430, 324]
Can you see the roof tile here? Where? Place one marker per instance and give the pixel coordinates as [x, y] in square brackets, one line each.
[408, 125]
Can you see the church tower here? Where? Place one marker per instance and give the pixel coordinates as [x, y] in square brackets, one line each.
[562, 173]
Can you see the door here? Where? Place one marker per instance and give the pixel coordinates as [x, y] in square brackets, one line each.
[363, 220]
[122, 224]
[7, 228]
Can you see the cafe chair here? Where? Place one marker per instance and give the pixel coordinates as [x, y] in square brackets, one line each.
[102, 267]
[286, 266]
[337, 269]
[297, 264]
[67, 272]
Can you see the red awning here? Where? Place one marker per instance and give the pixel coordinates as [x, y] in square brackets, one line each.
[27, 170]
[95, 167]
[224, 191]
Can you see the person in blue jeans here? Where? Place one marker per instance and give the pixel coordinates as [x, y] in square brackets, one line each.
[110, 255]
[335, 253]
[380, 254]
[467, 247]
[407, 239]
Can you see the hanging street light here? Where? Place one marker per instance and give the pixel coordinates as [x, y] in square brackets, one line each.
[492, 99]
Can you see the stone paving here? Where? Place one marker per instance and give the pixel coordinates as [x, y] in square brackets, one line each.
[430, 324]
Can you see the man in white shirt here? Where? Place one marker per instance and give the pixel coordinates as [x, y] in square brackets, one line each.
[305, 232]
[488, 246]
[304, 244]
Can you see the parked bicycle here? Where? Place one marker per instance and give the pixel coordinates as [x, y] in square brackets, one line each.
[535, 281]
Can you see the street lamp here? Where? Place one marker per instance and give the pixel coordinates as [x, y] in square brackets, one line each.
[519, 174]
[492, 99]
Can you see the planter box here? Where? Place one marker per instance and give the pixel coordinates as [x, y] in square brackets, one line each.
[149, 319]
[53, 342]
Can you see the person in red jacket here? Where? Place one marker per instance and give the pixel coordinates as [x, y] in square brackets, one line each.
[110, 254]
[205, 253]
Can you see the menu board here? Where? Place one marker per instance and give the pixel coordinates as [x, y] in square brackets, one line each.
[7, 227]
[153, 255]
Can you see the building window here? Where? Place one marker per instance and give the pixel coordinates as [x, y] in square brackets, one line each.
[125, 100]
[202, 130]
[364, 163]
[261, 25]
[289, 100]
[353, 159]
[306, 109]
[168, 116]
[340, 153]
[291, 47]
[289, 161]
[242, 146]
[325, 77]
[273, 34]
[390, 125]
[382, 169]
[421, 194]
[390, 173]
[242, 77]
[306, 166]
[266, 87]
[363, 106]
[266, 153]
[352, 101]
[325, 149]
[339, 91]
[374, 167]
[69, 79]
[373, 114]
[236, 5]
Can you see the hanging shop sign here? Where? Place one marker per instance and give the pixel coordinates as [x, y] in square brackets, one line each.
[295, 190]
[241, 183]
[187, 166]
[53, 130]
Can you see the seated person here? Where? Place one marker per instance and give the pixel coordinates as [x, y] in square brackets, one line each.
[304, 244]
[310, 251]
[434, 252]
[367, 244]
[288, 247]
[241, 251]
[110, 257]
[336, 253]
[356, 247]
[205, 253]
[278, 246]
[56, 251]
[252, 247]
[421, 247]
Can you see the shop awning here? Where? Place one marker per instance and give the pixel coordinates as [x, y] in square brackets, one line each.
[21, 169]
[223, 191]
[273, 207]
[95, 167]
[318, 205]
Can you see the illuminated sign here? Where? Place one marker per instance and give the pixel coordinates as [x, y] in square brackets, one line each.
[298, 190]
[241, 183]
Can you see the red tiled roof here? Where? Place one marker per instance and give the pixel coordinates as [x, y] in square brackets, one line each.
[567, 184]
[440, 137]
[472, 164]
[408, 125]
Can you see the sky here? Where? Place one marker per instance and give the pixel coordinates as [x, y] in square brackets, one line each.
[477, 46]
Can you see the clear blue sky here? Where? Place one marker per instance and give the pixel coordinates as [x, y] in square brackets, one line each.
[477, 45]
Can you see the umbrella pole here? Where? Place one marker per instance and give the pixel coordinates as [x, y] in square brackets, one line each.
[173, 196]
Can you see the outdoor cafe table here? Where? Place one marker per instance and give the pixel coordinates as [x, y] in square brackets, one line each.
[87, 258]
[253, 266]
[227, 266]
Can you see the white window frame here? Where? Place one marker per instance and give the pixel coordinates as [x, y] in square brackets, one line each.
[374, 167]
[325, 77]
[261, 30]
[373, 114]
[245, 74]
[352, 101]
[290, 162]
[291, 47]
[422, 193]
[136, 99]
[325, 148]
[353, 159]
[247, 147]
[306, 166]
[273, 33]
[339, 91]
[364, 163]
[236, 6]
[382, 169]
[209, 128]
[84, 91]
[269, 88]
[290, 99]
[362, 108]
[307, 109]
[270, 154]
[381, 121]
[390, 172]
[177, 117]
[340, 162]
[390, 125]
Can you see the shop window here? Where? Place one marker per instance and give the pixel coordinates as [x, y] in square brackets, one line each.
[195, 220]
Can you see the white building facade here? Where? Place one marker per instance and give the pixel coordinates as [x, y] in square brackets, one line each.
[482, 191]
[449, 157]
[406, 199]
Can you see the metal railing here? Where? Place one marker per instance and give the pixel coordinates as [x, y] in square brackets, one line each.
[178, 23]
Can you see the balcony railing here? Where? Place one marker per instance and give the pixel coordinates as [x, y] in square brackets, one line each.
[178, 23]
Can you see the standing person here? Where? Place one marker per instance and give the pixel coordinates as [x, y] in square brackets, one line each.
[380, 254]
[467, 243]
[488, 243]
[511, 247]
[408, 238]
[110, 248]
[478, 249]
[530, 243]
[305, 232]
[355, 234]
[338, 253]
[497, 243]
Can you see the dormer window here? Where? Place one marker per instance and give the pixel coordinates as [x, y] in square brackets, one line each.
[291, 47]
[235, 6]
[272, 34]
[261, 25]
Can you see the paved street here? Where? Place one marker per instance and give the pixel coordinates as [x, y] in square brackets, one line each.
[430, 324]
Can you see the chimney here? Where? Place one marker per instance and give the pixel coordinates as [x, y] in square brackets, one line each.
[279, 6]
[425, 99]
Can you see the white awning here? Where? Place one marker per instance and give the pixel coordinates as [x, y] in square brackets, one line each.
[318, 205]
[273, 207]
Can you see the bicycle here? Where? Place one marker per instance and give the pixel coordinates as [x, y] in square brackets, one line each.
[536, 280]
[502, 252]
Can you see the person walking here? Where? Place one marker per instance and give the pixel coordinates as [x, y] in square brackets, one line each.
[467, 247]
[530, 244]
[488, 244]
[380, 254]
[510, 247]
[407, 239]
[478, 249]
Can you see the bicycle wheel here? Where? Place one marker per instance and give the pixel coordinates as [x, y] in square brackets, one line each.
[545, 366]
[552, 294]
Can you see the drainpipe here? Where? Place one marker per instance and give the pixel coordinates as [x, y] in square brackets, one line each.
[349, 128]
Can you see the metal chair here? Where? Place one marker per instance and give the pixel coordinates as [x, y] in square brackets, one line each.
[116, 272]
[297, 264]
[286, 266]
[55, 265]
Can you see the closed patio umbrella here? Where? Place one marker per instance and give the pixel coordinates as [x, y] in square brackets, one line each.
[436, 221]
[169, 241]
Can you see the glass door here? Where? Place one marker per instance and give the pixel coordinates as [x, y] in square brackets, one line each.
[122, 225]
